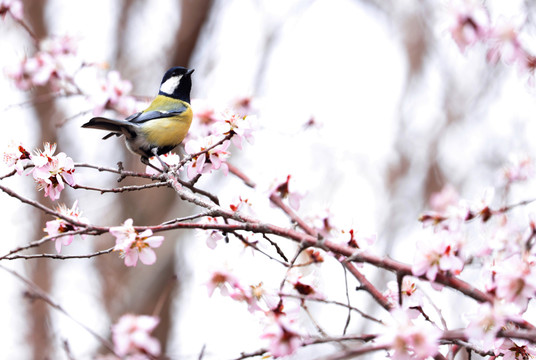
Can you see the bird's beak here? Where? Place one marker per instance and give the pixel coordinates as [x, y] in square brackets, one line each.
[190, 71]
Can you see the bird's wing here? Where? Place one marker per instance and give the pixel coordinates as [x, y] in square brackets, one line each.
[154, 114]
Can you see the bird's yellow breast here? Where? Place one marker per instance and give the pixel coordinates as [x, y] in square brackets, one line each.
[168, 131]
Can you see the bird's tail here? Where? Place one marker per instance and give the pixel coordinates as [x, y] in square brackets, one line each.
[117, 127]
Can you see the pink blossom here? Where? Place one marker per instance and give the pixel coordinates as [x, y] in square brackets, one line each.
[515, 280]
[284, 338]
[442, 200]
[205, 115]
[51, 171]
[34, 71]
[411, 296]
[113, 95]
[213, 159]
[470, 23]
[60, 45]
[486, 322]
[59, 225]
[225, 281]
[504, 44]
[14, 7]
[214, 236]
[132, 336]
[283, 190]
[520, 349]
[170, 159]
[229, 285]
[16, 157]
[433, 256]
[361, 241]
[134, 246]
[520, 168]
[239, 126]
[408, 338]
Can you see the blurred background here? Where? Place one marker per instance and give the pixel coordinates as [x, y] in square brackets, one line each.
[369, 105]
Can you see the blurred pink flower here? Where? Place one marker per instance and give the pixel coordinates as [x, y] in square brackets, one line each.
[434, 256]
[132, 336]
[16, 157]
[60, 226]
[520, 168]
[409, 339]
[470, 23]
[442, 200]
[51, 171]
[283, 190]
[59, 45]
[486, 322]
[229, 285]
[34, 71]
[134, 246]
[504, 44]
[515, 280]
[14, 7]
[284, 338]
[113, 95]
[223, 280]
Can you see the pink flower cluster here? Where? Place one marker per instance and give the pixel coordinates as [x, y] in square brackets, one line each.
[206, 156]
[48, 66]
[55, 64]
[282, 331]
[134, 246]
[409, 338]
[113, 94]
[132, 337]
[229, 285]
[51, 172]
[60, 226]
[477, 235]
[284, 338]
[209, 151]
[471, 24]
[520, 168]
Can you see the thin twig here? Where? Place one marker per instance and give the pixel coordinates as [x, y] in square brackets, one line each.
[121, 189]
[42, 241]
[332, 302]
[59, 256]
[349, 316]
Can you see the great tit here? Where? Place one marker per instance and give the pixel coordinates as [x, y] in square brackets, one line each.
[163, 125]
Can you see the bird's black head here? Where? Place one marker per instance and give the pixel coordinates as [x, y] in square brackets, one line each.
[177, 83]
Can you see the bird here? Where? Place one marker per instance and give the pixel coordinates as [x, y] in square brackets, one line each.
[162, 126]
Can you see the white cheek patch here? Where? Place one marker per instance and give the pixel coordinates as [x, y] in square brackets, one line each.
[170, 84]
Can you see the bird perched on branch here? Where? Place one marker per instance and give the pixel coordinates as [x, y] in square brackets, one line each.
[162, 126]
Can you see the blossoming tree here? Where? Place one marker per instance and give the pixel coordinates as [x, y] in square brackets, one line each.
[405, 321]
